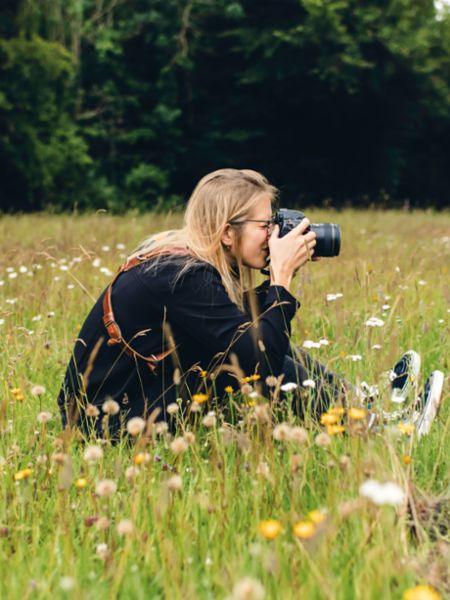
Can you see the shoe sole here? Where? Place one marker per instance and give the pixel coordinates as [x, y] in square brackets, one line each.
[400, 396]
[432, 406]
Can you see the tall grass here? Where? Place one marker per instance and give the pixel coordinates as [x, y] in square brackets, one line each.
[205, 534]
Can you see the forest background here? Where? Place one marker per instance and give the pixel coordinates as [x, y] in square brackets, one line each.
[125, 104]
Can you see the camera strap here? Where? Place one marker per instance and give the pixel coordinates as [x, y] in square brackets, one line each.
[111, 325]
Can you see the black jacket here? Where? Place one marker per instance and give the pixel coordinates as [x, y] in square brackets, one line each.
[206, 327]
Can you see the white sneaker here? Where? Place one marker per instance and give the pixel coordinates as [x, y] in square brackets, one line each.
[428, 405]
[404, 377]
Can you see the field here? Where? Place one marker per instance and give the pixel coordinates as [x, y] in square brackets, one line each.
[226, 511]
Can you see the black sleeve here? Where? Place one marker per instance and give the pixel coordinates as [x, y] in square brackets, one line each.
[258, 294]
[205, 311]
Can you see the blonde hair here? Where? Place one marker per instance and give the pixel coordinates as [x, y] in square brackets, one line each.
[220, 197]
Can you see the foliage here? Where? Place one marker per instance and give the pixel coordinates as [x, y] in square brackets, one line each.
[329, 98]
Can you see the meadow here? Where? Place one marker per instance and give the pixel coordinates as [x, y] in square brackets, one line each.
[260, 508]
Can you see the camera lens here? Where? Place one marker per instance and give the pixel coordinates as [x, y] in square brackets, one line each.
[328, 239]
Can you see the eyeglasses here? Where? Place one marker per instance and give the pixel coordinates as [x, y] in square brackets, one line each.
[267, 222]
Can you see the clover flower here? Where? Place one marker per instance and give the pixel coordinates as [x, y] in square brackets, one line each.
[289, 386]
[382, 493]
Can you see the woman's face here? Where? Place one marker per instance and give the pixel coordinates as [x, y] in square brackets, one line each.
[255, 232]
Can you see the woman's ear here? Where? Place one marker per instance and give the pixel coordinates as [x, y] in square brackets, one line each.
[227, 237]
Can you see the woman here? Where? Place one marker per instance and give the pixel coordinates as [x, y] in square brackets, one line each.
[177, 322]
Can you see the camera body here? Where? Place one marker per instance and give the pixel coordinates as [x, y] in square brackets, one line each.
[328, 235]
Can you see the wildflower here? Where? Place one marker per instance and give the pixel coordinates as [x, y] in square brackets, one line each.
[141, 458]
[335, 429]
[255, 377]
[308, 344]
[110, 407]
[317, 516]
[309, 383]
[179, 445]
[38, 390]
[248, 589]
[195, 407]
[336, 410]
[328, 419]
[125, 527]
[23, 474]
[357, 414]
[406, 459]
[172, 408]
[92, 411]
[131, 472]
[174, 483]
[102, 551]
[203, 373]
[189, 437]
[289, 386]
[281, 432]
[246, 389]
[271, 381]
[93, 454]
[229, 389]
[67, 583]
[44, 417]
[298, 434]
[332, 297]
[406, 428]
[210, 420]
[135, 426]
[269, 529]
[376, 347]
[322, 440]
[106, 488]
[161, 428]
[18, 394]
[354, 357]
[102, 523]
[200, 398]
[374, 322]
[421, 592]
[304, 530]
[382, 493]
[81, 483]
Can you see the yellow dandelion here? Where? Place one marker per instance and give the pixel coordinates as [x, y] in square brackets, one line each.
[269, 528]
[81, 483]
[328, 419]
[406, 428]
[229, 389]
[255, 377]
[421, 592]
[203, 373]
[335, 429]
[141, 458]
[23, 474]
[304, 530]
[200, 398]
[336, 410]
[357, 414]
[246, 380]
[406, 458]
[317, 516]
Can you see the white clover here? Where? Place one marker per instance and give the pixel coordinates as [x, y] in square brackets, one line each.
[374, 322]
[105, 248]
[324, 342]
[309, 383]
[289, 386]
[12, 275]
[382, 493]
[23, 269]
[310, 344]
[354, 357]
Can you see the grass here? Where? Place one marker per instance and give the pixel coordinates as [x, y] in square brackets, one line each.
[58, 537]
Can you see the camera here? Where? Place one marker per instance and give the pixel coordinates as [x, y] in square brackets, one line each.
[328, 235]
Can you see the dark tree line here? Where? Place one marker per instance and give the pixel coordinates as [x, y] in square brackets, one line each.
[127, 103]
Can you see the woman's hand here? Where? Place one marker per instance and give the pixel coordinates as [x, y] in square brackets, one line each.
[289, 253]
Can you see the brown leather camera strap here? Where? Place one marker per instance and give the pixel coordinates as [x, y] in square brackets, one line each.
[111, 325]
